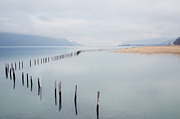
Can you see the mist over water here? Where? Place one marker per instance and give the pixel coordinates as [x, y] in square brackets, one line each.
[132, 86]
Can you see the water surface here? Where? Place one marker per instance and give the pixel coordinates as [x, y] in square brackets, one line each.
[132, 86]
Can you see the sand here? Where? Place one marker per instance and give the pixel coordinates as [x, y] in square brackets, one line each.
[152, 50]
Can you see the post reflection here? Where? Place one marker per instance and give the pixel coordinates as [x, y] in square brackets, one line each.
[75, 100]
[60, 101]
[40, 92]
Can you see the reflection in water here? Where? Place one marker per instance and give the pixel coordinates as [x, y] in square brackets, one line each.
[40, 92]
[60, 101]
[14, 84]
[75, 100]
[55, 93]
[23, 78]
[97, 107]
[14, 78]
[31, 83]
[75, 104]
[11, 72]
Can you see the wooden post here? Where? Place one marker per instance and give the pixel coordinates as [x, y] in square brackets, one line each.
[75, 96]
[6, 70]
[10, 73]
[11, 65]
[22, 65]
[55, 93]
[39, 83]
[23, 78]
[14, 77]
[97, 106]
[30, 63]
[31, 83]
[15, 66]
[60, 101]
[75, 100]
[27, 80]
[39, 88]
[55, 88]
[19, 65]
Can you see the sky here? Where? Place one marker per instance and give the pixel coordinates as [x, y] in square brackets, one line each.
[93, 22]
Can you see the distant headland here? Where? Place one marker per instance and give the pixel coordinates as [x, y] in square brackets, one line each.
[13, 39]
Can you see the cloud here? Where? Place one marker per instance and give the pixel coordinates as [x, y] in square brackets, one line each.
[102, 22]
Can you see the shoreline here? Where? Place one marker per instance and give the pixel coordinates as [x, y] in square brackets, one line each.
[151, 50]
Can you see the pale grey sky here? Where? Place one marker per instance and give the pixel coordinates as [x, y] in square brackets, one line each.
[93, 22]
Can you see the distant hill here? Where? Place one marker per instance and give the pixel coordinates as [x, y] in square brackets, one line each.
[76, 43]
[12, 39]
[152, 42]
[177, 41]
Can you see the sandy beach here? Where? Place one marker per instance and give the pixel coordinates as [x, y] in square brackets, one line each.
[151, 50]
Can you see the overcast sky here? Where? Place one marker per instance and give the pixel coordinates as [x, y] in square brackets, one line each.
[93, 22]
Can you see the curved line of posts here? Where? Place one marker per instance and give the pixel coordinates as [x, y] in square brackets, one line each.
[10, 72]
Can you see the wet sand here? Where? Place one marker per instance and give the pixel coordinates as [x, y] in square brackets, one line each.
[151, 50]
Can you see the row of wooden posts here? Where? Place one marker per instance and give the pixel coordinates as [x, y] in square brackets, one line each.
[75, 98]
[48, 59]
[10, 72]
[55, 90]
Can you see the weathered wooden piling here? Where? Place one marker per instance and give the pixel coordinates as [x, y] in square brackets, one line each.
[27, 80]
[39, 88]
[31, 82]
[11, 65]
[39, 83]
[55, 93]
[19, 65]
[6, 70]
[30, 63]
[10, 73]
[15, 66]
[97, 106]
[23, 78]
[75, 96]
[55, 88]
[34, 62]
[60, 101]
[14, 75]
[75, 100]
[22, 64]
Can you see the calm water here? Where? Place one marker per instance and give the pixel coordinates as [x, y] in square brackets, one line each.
[132, 86]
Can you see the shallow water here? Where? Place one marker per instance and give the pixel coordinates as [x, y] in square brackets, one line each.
[132, 86]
